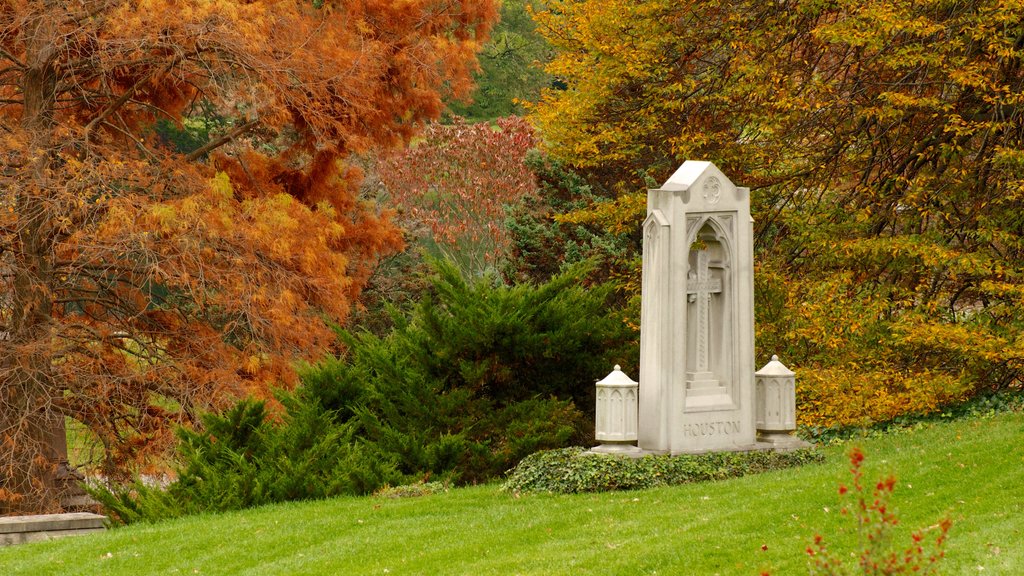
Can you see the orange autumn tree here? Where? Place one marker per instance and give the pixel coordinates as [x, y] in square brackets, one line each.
[143, 282]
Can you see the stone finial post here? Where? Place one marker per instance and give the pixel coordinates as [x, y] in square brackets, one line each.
[616, 415]
[776, 406]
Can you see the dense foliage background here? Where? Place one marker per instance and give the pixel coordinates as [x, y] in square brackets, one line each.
[881, 140]
[882, 144]
[181, 219]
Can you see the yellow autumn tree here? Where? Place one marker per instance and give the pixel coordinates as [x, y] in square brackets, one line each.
[177, 217]
[882, 142]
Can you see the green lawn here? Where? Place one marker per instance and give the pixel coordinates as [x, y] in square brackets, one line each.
[972, 470]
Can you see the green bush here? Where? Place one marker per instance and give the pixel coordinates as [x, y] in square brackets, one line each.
[479, 376]
[544, 243]
[510, 343]
[243, 458]
[574, 470]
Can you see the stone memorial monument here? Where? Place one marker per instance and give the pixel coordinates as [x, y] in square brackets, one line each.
[697, 315]
[698, 391]
[616, 414]
[776, 406]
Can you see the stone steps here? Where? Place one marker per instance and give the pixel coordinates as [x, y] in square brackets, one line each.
[22, 529]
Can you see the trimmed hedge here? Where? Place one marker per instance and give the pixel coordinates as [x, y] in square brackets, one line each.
[574, 470]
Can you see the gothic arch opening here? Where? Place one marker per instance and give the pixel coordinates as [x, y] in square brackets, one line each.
[709, 289]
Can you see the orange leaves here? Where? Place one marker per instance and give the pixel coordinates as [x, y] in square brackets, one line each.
[138, 270]
[263, 260]
[453, 186]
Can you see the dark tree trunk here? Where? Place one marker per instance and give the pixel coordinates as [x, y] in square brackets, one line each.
[33, 413]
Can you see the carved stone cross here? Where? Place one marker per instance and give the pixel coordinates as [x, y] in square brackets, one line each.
[699, 288]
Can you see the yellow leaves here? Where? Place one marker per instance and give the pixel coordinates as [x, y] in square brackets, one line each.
[883, 140]
[166, 217]
[898, 100]
[63, 224]
[964, 342]
[14, 142]
[252, 364]
[606, 47]
[221, 186]
[272, 215]
[853, 395]
[972, 76]
[618, 216]
[874, 23]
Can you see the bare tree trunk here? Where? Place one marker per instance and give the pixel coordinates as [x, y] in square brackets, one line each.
[35, 444]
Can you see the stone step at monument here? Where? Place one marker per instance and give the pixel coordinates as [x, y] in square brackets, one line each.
[22, 529]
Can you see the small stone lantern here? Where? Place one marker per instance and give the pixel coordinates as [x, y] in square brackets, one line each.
[776, 406]
[616, 417]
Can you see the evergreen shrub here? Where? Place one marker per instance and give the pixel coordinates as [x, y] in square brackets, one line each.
[480, 374]
[544, 241]
[575, 470]
[477, 377]
[243, 458]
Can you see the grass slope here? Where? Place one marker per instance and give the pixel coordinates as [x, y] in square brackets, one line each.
[972, 470]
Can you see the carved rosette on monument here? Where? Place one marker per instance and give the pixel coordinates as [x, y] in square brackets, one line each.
[697, 316]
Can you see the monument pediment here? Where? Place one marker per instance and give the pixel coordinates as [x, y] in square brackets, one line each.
[655, 218]
[705, 188]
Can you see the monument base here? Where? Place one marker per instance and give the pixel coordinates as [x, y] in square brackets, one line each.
[624, 449]
[756, 447]
[782, 441]
[774, 442]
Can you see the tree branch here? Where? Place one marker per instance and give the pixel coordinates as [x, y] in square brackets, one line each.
[214, 144]
[123, 98]
[13, 59]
